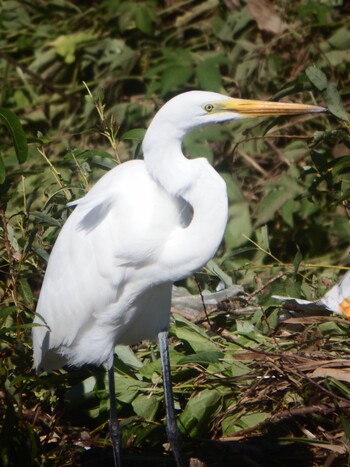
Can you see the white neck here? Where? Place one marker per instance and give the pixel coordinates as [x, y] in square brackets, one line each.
[188, 249]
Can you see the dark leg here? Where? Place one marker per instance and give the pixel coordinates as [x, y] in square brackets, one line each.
[114, 426]
[171, 426]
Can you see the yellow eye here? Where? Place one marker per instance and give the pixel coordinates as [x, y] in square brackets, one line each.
[209, 107]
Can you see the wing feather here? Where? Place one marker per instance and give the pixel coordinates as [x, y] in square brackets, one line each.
[103, 259]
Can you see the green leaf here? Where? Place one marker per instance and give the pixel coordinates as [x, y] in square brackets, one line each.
[88, 154]
[135, 134]
[15, 129]
[288, 210]
[127, 356]
[254, 418]
[317, 78]
[2, 171]
[297, 260]
[329, 328]
[174, 77]
[198, 412]
[334, 102]
[46, 219]
[26, 293]
[7, 311]
[145, 406]
[203, 358]
[81, 393]
[238, 369]
[66, 45]
[193, 335]
[144, 18]
[270, 204]
[209, 75]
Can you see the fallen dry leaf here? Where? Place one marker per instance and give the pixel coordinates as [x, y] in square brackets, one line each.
[265, 16]
[342, 375]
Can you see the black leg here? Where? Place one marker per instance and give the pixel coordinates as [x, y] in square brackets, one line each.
[173, 432]
[114, 425]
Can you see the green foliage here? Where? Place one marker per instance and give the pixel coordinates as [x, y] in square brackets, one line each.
[75, 100]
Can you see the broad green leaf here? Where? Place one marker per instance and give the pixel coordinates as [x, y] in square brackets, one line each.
[244, 327]
[334, 102]
[15, 129]
[288, 210]
[209, 75]
[174, 77]
[232, 424]
[203, 358]
[338, 57]
[144, 18]
[145, 406]
[254, 418]
[127, 356]
[317, 77]
[193, 335]
[340, 39]
[330, 327]
[66, 45]
[198, 412]
[276, 196]
[128, 388]
[238, 369]
[239, 225]
[80, 393]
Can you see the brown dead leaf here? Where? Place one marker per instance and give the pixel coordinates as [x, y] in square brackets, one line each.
[318, 363]
[265, 16]
[342, 375]
[339, 449]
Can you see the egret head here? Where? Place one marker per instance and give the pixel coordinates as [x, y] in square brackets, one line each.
[196, 108]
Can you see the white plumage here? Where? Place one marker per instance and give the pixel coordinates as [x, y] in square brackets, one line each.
[144, 225]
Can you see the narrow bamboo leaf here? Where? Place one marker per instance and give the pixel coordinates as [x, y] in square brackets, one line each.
[46, 219]
[135, 134]
[15, 129]
[88, 154]
[7, 311]
[297, 260]
[26, 293]
[2, 171]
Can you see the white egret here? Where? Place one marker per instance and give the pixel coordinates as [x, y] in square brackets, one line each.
[144, 225]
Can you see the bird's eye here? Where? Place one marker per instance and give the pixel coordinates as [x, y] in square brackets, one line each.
[209, 107]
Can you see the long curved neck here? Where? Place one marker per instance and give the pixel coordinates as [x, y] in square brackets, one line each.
[189, 248]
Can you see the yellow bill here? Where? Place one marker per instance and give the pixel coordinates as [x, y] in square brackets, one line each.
[255, 108]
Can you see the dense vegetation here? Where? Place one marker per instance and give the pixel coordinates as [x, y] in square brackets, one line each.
[84, 78]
